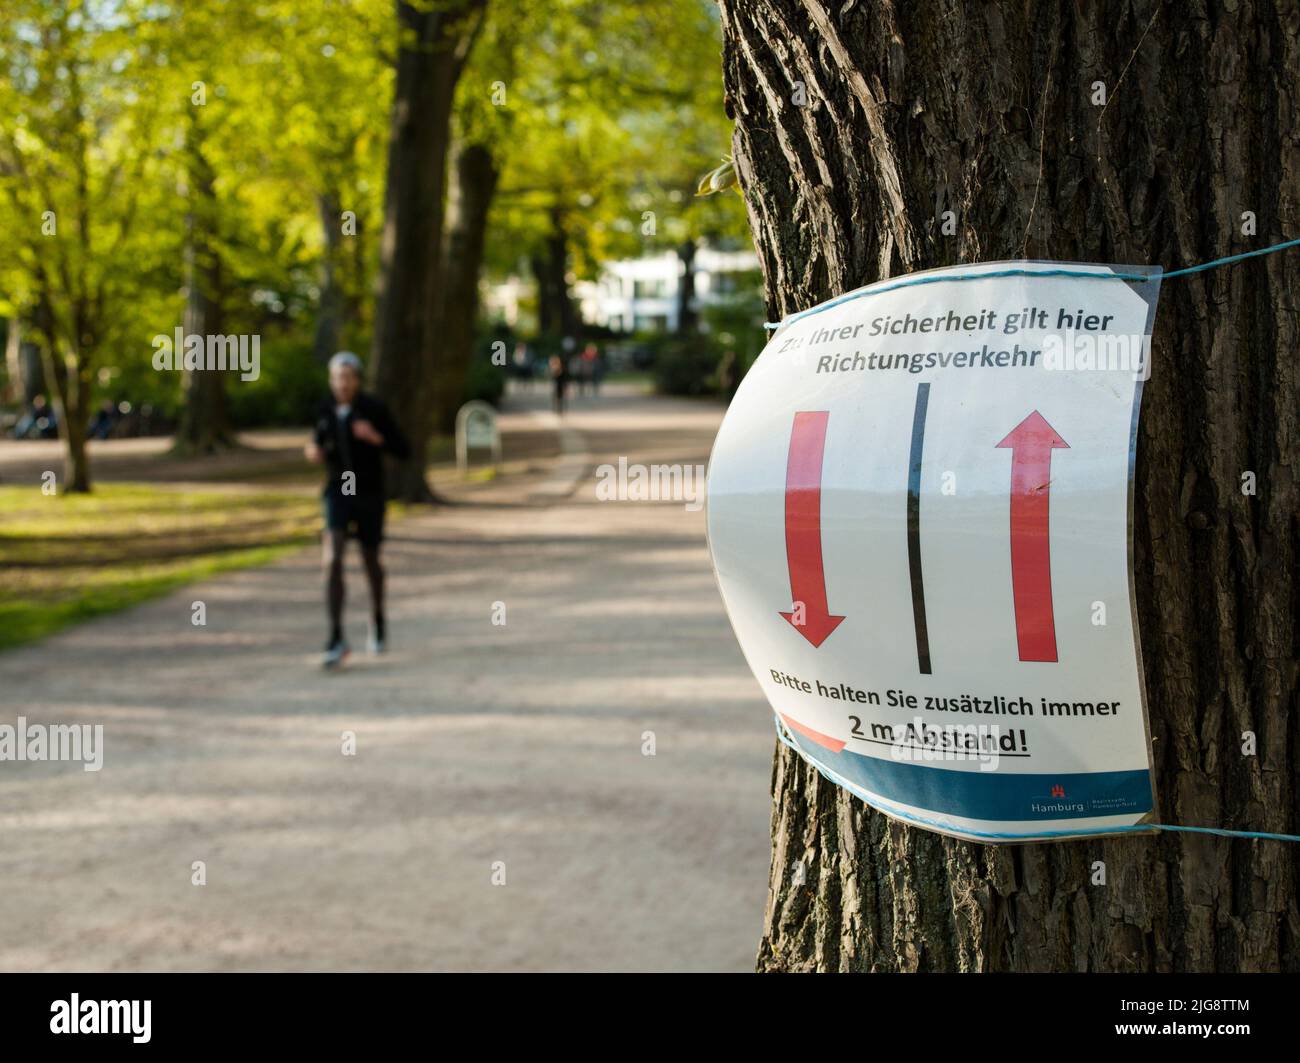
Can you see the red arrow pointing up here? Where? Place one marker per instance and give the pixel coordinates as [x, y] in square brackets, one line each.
[803, 527]
[1032, 442]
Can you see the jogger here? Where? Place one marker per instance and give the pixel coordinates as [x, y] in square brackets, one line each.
[353, 432]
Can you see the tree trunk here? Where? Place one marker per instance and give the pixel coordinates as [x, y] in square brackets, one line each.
[71, 404]
[555, 311]
[474, 183]
[329, 315]
[987, 111]
[687, 319]
[33, 372]
[14, 389]
[358, 311]
[434, 44]
[26, 375]
[65, 368]
[204, 422]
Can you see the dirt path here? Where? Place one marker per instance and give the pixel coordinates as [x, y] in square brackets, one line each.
[475, 744]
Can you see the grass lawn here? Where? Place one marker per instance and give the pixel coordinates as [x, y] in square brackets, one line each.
[66, 558]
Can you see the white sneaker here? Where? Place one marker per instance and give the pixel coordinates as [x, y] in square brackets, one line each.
[375, 644]
[334, 654]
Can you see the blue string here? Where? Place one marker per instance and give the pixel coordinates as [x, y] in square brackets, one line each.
[1232, 258]
[913, 281]
[839, 780]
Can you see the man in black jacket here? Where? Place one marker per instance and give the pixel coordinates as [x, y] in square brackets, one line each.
[353, 433]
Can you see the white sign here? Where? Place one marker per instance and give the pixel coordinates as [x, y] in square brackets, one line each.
[919, 510]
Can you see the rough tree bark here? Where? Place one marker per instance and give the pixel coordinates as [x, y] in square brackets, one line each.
[434, 44]
[987, 110]
[474, 182]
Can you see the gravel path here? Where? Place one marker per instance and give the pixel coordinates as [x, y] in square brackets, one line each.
[475, 744]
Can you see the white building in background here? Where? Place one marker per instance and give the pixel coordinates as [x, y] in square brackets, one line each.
[634, 294]
[501, 300]
[641, 294]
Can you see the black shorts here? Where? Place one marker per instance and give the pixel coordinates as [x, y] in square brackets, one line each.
[360, 517]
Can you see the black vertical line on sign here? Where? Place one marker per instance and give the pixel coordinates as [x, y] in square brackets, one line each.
[914, 528]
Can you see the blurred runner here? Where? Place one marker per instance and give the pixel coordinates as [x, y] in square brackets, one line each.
[353, 432]
[590, 367]
[560, 376]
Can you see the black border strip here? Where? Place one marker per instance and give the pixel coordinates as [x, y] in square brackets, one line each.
[914, 528]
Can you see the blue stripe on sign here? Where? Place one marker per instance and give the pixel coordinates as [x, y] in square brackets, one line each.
[989, 795]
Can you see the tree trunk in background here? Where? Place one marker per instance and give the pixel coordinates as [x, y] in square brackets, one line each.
[13, 367]
[546, 325]
[687, 319]
[204, 422]
[33, 372]
[474, 182]
[986, 110]
[555, 312]
[23, 383]
[358, 310]
[65, 367]
[329, 316]
[434, 44]
[71, 402]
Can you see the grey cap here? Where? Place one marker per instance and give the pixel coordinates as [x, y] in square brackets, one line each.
[346, 358]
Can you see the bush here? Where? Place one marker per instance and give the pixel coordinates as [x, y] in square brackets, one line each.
[484, 381]
[286, 392]
[687, 367]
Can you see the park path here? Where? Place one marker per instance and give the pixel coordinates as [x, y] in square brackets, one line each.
[476, 744]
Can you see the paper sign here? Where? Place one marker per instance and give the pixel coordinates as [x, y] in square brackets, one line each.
[920, 515]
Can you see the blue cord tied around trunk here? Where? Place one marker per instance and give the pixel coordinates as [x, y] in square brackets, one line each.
[914, 281]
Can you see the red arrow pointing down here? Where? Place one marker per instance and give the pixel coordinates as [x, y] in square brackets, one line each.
[1032, 442]
[803, 527]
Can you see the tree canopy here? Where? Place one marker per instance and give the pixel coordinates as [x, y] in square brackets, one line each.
[230, 161]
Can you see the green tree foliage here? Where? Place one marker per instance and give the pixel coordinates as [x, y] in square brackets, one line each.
[86, 210]
[615, 111]
[127, 128]
[222, 165]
